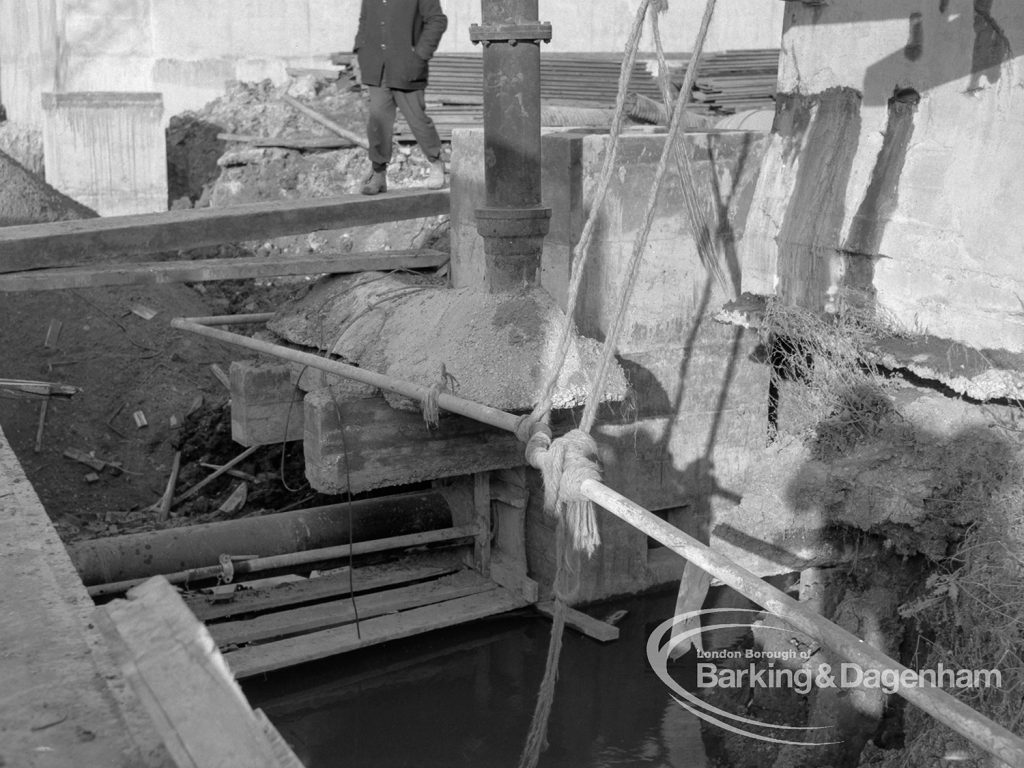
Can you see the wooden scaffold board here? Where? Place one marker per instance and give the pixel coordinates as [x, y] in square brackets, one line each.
[262, 630]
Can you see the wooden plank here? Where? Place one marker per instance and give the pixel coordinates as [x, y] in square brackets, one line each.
[581, 622]
[74, 243]
[368, 579]
[482, 515]
[206, 270]
[512, 576]
[172, 664]
[57, 680]
[259, 659]
[297, 141]
[387, 447]
[342, 611]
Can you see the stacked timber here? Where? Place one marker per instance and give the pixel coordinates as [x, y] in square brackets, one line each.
[733, 81]
[584, 80]
[727, 82]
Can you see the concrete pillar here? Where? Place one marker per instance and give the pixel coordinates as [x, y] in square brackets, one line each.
[107, 150]
[29, 61]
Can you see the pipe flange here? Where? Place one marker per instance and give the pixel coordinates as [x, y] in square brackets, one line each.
[513, 222]
[534, 32]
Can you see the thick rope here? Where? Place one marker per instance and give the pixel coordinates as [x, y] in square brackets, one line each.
[640, 243]
[581, 251]
[566, 463]
[703, 219]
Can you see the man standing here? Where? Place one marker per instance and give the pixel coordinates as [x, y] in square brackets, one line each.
[395, 40]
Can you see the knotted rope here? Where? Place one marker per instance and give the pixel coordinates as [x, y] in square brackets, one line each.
[568, 462]
[431, 411]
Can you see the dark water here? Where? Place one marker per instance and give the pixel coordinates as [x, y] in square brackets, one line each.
[464, 697]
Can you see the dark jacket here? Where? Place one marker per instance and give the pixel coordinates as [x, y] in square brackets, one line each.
[396, 39]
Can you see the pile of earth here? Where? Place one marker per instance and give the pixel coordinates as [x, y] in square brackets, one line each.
[205, 170]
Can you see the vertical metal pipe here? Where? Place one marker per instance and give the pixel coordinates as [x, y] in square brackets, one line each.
[514, 222]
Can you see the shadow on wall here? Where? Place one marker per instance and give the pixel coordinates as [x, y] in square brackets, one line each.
[931, 56]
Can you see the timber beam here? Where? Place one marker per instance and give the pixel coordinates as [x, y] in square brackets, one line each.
[74, 243]
[206, 270]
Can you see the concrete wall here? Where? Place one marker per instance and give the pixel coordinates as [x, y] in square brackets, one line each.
[188, 49]
[697, 419]
[918, 203]
[107, 150]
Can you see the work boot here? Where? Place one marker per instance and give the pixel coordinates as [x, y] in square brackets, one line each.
[436, 178]
[376, 183]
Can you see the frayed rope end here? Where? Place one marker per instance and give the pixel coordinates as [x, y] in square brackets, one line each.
[569, 462]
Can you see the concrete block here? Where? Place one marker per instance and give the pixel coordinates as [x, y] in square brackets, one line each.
[360, 445]
[107, 150]
[673, 286]
[266, 404]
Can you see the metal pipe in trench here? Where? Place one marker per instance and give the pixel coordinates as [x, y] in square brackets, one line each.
[139, 555]
[974, 726]
[297, 559]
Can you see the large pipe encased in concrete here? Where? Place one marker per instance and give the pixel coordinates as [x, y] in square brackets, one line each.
[514, 222]
[139, 555]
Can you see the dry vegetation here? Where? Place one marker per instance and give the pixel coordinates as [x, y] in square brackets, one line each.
[969, 612]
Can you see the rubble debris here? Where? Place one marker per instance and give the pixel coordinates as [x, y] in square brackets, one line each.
[234, 503]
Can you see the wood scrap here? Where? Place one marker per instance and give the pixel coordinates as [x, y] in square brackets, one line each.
[40, 388]
[207, 480]
[164, 508]
[296, 141]
[325, 121]
[221, 375]
[52, 334]
[43, 406]
[82, 457]
[141, 310]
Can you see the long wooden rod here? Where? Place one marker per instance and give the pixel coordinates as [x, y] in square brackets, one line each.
[945, 708]
[974, 726]
[292, 559]
[476, 411]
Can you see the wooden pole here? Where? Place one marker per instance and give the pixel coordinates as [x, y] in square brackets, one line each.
[168, 497]
[355, 138]
[948, 710]
[482, 413]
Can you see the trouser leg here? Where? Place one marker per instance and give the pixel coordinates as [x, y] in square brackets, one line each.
[380, 126]
[414, 108]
